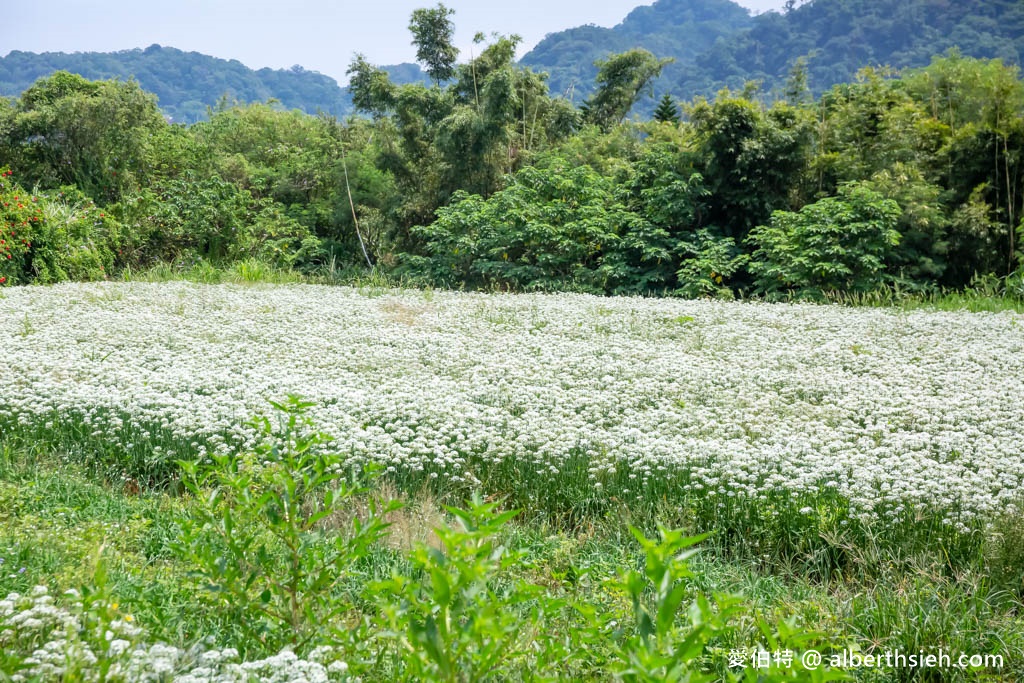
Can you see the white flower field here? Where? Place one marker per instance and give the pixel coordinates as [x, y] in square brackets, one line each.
[888, 410]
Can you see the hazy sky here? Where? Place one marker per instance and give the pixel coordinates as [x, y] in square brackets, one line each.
[320, 35]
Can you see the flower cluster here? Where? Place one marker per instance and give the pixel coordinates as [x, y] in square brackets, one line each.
[887, 409]
[51, 642]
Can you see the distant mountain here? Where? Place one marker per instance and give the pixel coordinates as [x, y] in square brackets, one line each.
[717, 44]
[683, 29]
[187, 83]
[839, 37]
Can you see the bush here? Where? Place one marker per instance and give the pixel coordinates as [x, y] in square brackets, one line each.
[53, 237]
[836, 244]
[20, 215]
[552, 228]
[708, 263]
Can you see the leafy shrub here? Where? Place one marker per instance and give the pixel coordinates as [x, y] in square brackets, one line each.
[276, 238]
[453, 619]
[53, 237]
[836, 244]
[259, 533]
[551, 228]
[707, 264]
[77, 240]
[202, 216]
[94, 135]
[19, 216]
[209, 218]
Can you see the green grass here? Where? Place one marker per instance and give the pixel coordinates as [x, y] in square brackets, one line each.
[984, 295]
[56, 518]
[252, 271]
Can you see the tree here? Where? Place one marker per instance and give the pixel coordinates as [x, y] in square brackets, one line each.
[751, 159]
[797, 90]
[667, 111]
[432, 34]
[621, 79]
[93, 134]
[371, 89]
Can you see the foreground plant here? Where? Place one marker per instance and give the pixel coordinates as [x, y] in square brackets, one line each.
[677, 633]
[261, 535]
[458, 616]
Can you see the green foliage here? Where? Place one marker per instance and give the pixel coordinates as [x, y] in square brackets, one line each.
[525, 191]
[716, 44]
[681, 30]
[621, 80]
[1004, 552]
[187, 84]
[556, 228]
[660, 649]
[921, 256]
[836, 244]
[432, 34]
[267, 536]
[707, 264]
[455, 618]
[841, 36]
[466, 136]
[371, 88]
[76, 240]
[53, 237]
[19, 215]
[750, 159]
[483, 599]
[94, 135]
[198, 215]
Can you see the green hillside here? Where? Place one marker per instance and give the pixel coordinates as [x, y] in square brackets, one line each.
[838, 37]
[682, 29]
[716, 44]
[188, 83]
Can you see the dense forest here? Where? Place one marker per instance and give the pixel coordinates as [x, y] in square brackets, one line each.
[716, 44]
[682, 30]
[481, 178]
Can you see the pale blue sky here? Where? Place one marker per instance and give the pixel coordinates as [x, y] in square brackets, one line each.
[320, 35]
